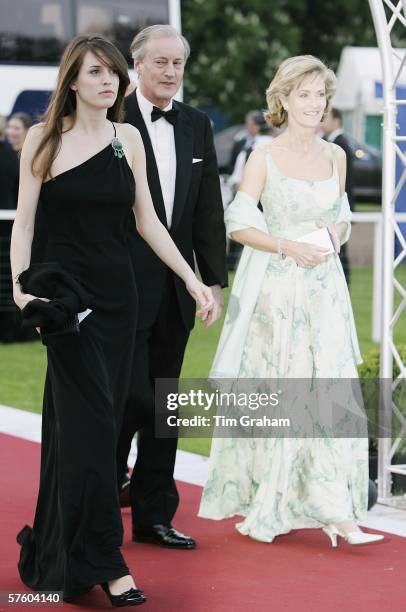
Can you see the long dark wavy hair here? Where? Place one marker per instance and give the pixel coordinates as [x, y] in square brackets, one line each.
[63, 100]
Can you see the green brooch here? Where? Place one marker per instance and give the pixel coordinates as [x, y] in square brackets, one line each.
[118, 148]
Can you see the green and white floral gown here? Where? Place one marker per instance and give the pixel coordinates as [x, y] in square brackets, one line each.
[302, 327]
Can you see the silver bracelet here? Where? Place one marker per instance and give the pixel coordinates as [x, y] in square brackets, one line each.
[280, 251]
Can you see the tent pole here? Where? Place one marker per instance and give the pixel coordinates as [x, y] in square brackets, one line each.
[383, 22]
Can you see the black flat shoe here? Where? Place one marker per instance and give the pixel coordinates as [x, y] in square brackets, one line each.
[163, 535]
[132, 597]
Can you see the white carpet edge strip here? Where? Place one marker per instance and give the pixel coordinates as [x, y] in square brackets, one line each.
[189, 468]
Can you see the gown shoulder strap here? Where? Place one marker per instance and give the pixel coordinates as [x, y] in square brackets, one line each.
[334, 157]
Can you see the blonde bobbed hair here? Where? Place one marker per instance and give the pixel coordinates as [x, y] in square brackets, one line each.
[290, 75]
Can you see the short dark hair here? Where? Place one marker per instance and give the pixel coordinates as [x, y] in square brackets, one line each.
[337, 114]
[258, 118]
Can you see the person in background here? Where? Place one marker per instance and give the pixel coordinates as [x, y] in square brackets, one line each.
[17, 128]
[254, 122]
[8, 170]
[258, 132]
[333, 131]
[8, 200]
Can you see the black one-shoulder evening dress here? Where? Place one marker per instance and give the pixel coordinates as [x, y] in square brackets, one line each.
[77, 533]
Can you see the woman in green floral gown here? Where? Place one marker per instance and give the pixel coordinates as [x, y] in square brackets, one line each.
[290, 317]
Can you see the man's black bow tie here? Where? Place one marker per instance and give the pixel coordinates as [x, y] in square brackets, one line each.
[170, 115]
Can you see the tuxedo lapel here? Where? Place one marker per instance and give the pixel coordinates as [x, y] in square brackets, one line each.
[134, 116]
[183, 131]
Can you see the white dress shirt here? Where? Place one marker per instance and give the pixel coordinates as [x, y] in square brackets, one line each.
[163, 143]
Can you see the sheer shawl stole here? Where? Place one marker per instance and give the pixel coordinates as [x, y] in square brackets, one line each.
[241, 214]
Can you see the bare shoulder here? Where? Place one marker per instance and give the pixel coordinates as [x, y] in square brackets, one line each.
[32, 140]
[256, 159]
[35, 134]
[338, 152]
[254, 174]
[340, 156]
[37, 127]
[341, 163]
[129, 132]
[131, 140]
[255, 169]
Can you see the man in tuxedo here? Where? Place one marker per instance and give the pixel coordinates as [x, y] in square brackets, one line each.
[185, 189]
[256, 127]
[254, 123]
[333, 131]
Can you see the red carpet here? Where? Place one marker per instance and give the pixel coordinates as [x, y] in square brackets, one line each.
[299, 572]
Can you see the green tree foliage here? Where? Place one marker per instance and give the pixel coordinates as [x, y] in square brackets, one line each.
[237, 46]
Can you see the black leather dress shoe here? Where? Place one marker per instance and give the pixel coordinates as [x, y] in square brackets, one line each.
[132, 597]
[163, 535]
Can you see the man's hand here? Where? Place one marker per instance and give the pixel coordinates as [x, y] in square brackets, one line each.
[214, 313]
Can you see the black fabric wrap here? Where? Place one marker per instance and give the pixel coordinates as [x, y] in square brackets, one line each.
[67, 297]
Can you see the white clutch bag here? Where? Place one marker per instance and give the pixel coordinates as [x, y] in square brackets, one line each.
[321, 238]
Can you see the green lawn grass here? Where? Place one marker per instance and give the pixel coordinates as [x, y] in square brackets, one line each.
[367, 207]
[22, 366]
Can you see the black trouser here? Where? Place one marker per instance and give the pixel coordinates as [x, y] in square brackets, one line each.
[159, 352]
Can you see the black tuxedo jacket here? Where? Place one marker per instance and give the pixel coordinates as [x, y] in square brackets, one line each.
[349, 180]
[197, 220]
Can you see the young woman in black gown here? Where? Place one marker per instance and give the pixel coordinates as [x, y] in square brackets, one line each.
[82, 166]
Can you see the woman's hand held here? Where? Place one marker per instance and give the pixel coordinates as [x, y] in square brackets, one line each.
[201, 294]
[306, 255]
